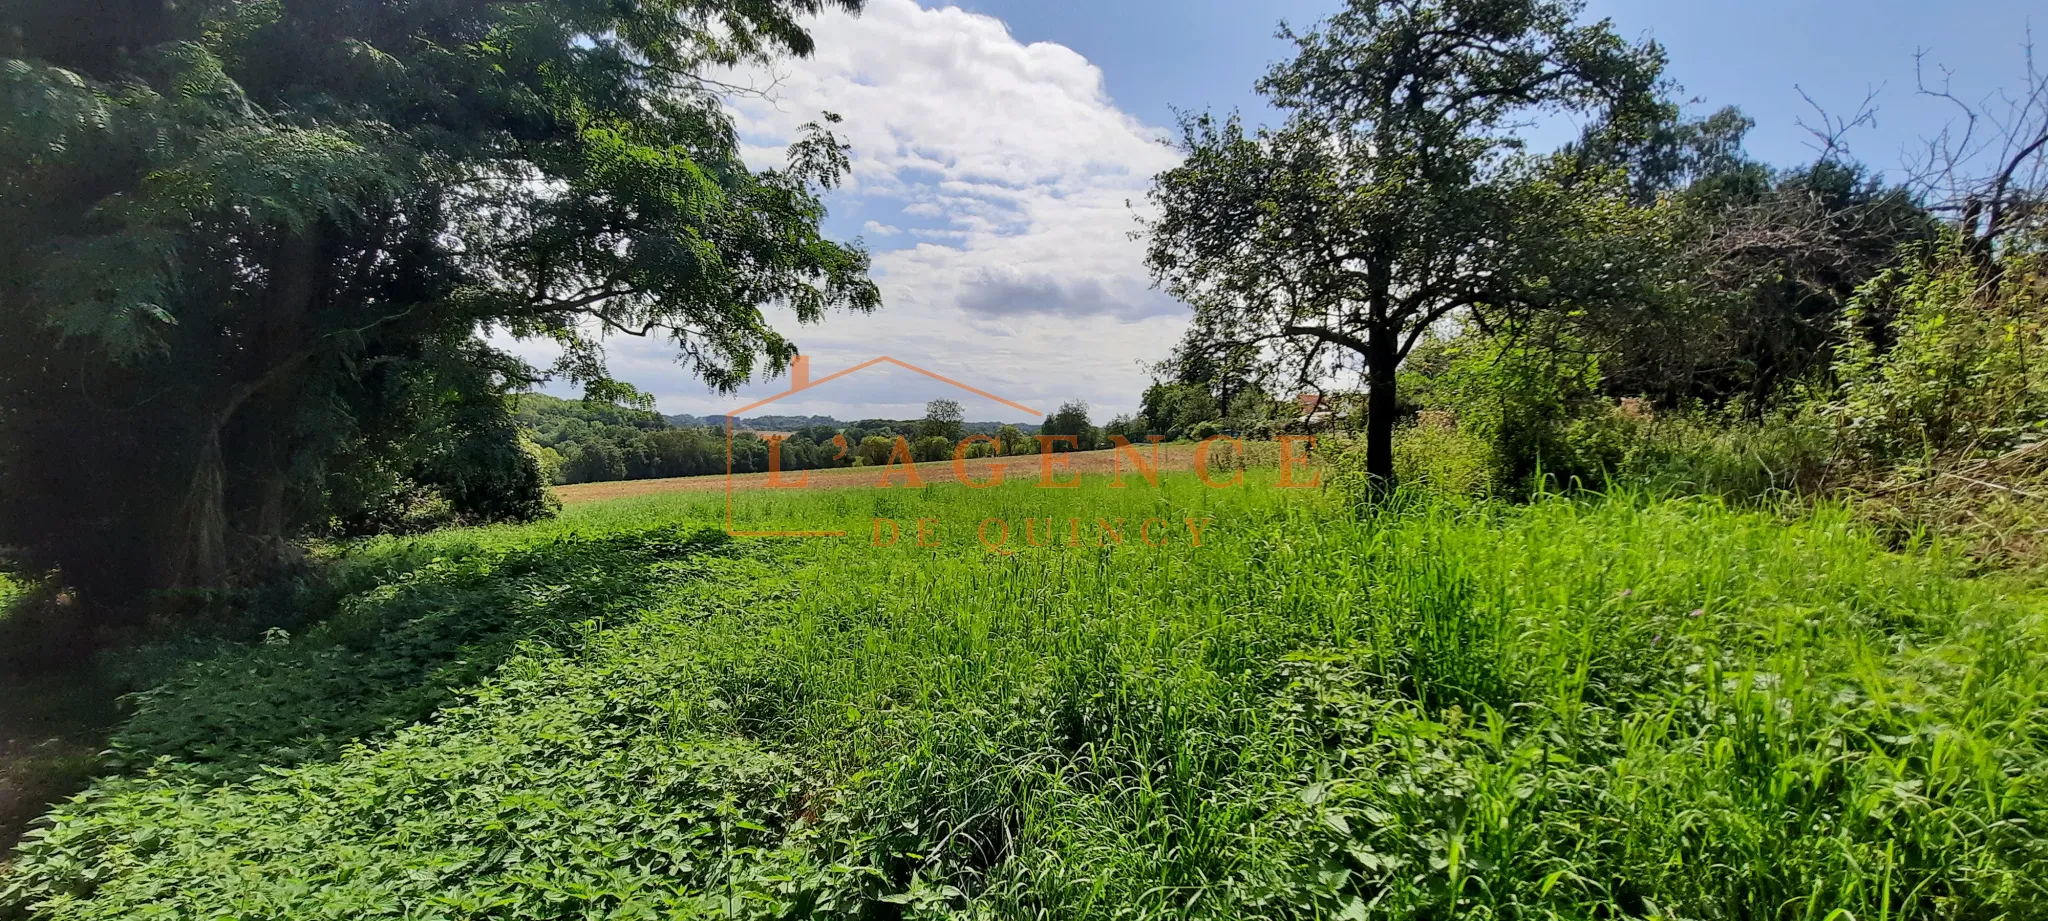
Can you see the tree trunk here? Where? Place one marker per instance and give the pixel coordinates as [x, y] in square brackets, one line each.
[1382, 359]
[193, 552]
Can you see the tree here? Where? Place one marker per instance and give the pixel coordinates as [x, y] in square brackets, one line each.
[931, 448]
[227, 228]
[1173, 410]
[1987, 170]
[943, 419]
[1009, 439]
[1206, 358]
[1759, 264]
[1396, 193]
[876, 450]
[1072, 419]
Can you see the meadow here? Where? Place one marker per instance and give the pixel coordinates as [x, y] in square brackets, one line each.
[1598, 706]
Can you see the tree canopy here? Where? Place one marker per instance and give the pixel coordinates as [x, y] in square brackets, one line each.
[248, 248]
[1398, 191]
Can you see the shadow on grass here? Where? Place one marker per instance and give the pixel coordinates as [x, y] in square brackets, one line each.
[393, 653]
[52, 727]
[56, 707]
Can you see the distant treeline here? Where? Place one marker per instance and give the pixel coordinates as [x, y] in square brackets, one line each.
[586, 441]
[800, 423]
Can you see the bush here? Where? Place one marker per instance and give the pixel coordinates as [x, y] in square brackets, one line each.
[1442, 460]
[876, 450]
[1535, 406]
[1959, 369]
[1943, 402]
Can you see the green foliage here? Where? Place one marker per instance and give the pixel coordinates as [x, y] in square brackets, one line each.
[1941, 360]
[932, 448]
[409, 641]
[1176, 409]
[1484, 709]
[876, 450]
[267, 236]
[1072, 422]
[1536, 408]
[1787, 454]
[601, 442]
[1440, 459]
[943, 419]
[1757, 271]
[437, 444]
[1011, 440]
[1399, 193]
[1498, 412]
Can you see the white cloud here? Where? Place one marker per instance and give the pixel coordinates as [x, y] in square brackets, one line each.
[1013, 175]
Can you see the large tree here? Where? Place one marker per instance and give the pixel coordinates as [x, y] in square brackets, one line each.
[1761, 262]
[238, 237]
[1398, 191]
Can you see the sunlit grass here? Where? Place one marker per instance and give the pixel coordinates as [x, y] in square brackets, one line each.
[1604, 707]
[11, 592]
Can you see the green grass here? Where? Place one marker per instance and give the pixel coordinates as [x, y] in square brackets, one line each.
[11, 591]
[1575, 708]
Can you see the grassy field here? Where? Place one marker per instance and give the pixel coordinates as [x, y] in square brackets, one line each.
[1573, 708]
[1166, 457]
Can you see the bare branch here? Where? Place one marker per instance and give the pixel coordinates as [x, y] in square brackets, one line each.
[1830, 132]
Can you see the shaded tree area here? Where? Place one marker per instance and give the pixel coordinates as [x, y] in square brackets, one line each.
[248, 250]
[1755, 266]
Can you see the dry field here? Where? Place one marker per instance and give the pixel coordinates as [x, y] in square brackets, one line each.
[1065, 466]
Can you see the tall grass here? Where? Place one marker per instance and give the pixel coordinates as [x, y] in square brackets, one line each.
[1595, 707]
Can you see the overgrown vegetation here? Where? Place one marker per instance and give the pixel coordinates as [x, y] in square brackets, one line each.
[250, 250]
[1646, 304]
[1671, 549]
[1496, 709]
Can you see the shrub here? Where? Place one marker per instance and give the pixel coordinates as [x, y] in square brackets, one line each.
[1957, 369]
[1443, 460]
[1536, 406]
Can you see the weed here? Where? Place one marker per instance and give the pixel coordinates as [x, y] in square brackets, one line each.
[1600, 706]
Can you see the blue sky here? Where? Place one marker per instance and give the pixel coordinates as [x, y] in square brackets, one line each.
[1162, 55]
[1002, 150]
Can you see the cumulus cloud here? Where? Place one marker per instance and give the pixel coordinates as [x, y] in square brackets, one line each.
[1011, 175]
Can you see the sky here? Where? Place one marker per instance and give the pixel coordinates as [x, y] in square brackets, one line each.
[1002, 150]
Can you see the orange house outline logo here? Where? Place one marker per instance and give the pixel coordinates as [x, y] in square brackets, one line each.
[800, 381]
